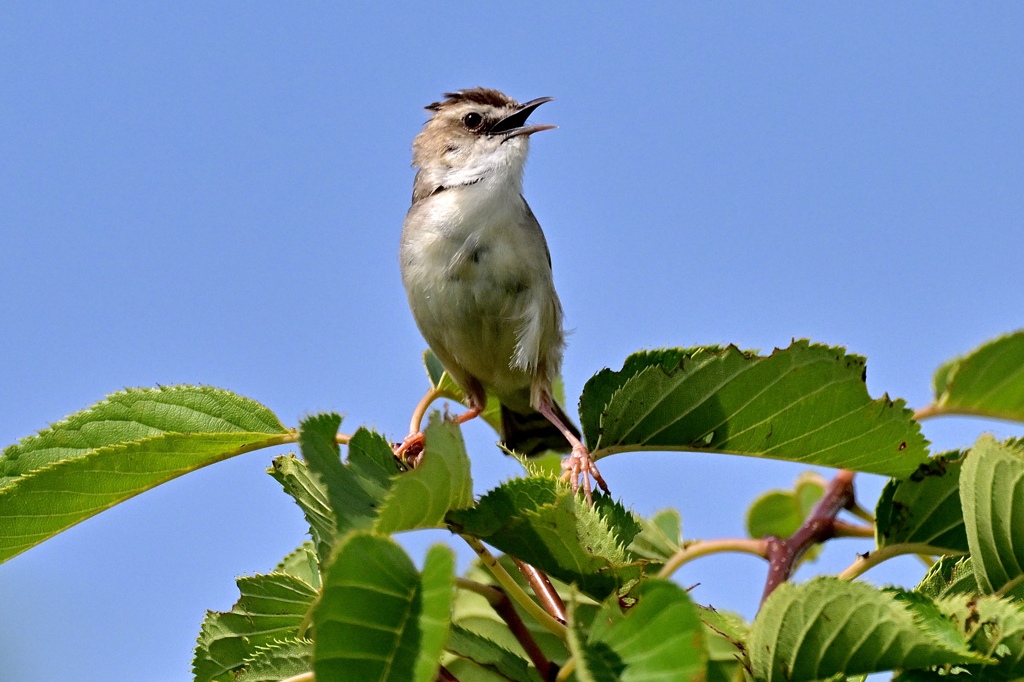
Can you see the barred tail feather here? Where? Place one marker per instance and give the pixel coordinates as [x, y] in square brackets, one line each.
[532, 434]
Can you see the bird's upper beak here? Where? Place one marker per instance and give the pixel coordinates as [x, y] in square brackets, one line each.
[514, 124]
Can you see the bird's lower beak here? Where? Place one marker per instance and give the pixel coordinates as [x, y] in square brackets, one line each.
[514, 124]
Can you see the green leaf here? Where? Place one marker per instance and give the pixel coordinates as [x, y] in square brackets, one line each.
[992, 494]
[806, 403]
[136, 414]
[271, 608]
[303, 564]
[540, 521]
[987, 382]
[947, 577]
[659, 538]
[311, 495]
[435, 621]
[277, 661]
[377, 618]
[441, 482]
[490, 655]
[782, 512]
[351, 496]
[131, 442]
[994, 627]
[726, 635]
[472, 612]
[660, 637]
[924, 508]
[951, 576]
[827, 626]
[46, 501]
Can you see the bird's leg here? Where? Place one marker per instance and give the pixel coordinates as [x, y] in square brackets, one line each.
[410, 450]
[472, 413]
[577, 464]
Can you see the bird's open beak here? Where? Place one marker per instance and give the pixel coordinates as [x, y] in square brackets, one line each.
[514, 124]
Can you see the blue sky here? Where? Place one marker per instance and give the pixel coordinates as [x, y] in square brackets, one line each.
[213, 194]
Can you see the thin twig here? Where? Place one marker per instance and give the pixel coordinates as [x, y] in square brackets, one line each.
[502, 605]
[421, 409]
[705, 547]
[861, 513]
[544, 590]
[818, 527]
[869, 561]
[852, 530]
[567, 670]
[514, 591]
[928, 412]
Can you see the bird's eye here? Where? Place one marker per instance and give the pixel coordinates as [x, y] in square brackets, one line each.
[472, 120]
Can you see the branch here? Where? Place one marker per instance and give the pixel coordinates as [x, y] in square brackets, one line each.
[544, 590]
[503, 606]
[704, 547]
[514, 591]
[818, 527]
[872, 559]
[416, 421]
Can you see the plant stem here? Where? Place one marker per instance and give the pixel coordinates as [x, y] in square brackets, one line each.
[514, 591]
[701, 548]
[861, 513]
[544, 590]
[927, 412]
[567, 670]
[421, 409]
[502, 605]
[852, 530]
[818, 527]
[1005, 589]
[869, 561]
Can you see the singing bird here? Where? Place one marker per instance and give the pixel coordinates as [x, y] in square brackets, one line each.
[477, 270]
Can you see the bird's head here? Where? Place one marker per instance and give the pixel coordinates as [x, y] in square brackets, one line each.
[475, 134]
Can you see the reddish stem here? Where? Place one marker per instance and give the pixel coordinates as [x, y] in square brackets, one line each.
[818, 527]
[544, 590]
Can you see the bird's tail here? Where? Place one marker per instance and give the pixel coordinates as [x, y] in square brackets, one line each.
[532, 434]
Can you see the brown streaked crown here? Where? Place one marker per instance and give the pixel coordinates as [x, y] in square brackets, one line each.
[477, 95]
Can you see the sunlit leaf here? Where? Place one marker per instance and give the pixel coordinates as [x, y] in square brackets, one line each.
[992, 494]
[827, 626]
[377, 618]
[925, 507]
[540, 521]
[271, 608]
[660, 637]
[988, 381]
[806, 403]
[131, 442]
[420, 498]
[277, 661]
[994, 627]
[782, 512]
[137, 414]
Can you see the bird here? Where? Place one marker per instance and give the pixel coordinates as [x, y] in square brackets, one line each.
[477, 271]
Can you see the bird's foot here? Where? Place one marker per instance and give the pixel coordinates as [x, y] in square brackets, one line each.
[410, 451]
[580, 465]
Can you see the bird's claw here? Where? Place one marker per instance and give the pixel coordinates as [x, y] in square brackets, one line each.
[410, 451]
[579, 464]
